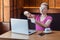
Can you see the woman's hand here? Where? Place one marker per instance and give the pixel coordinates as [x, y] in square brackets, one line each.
[29, 15]
[26, 13]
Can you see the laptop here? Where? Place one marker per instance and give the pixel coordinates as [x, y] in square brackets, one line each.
[21, 26]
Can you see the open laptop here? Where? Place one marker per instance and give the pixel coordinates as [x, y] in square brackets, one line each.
[20, 26]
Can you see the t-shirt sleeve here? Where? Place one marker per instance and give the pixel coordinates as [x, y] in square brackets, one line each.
[50, 18]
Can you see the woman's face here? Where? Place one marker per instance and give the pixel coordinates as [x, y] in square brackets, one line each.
[44, 10]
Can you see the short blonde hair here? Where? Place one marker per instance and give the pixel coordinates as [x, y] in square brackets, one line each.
[45, 4]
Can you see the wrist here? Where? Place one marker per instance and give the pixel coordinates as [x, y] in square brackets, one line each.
[32, 20]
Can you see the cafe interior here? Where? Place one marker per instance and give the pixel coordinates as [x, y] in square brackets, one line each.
[15, 9]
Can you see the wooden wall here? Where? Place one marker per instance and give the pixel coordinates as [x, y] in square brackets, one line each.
[4, 10]
[1, 11]
[13, 8]
[4, 16]
[16, 8]
[54, 6]
[36, 3]
[19, 6]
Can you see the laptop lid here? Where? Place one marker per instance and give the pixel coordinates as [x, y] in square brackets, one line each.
[19, 26]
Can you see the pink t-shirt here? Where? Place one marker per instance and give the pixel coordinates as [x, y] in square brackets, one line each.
[44, 21]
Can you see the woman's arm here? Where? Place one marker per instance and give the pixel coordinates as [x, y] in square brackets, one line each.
[48, 22]
[29, 15]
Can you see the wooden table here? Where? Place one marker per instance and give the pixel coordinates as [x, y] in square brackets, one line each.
[14, 36]
[55, 35]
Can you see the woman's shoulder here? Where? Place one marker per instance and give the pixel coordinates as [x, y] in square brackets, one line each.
[49, 17]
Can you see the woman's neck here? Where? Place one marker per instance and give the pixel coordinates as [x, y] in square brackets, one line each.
[44, 15]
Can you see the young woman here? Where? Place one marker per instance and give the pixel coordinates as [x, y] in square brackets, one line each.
[42, 21]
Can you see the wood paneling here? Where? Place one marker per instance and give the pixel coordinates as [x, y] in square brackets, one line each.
[13, 8]
[26, 3]
[34, 3]
[6, 10]
[16, 8]
[38, 2]
[1, 11]
[47, 1]
[6, 2]
[6, 14]
[54, 6]
[30, 3]
[36, 10]
[51, 3]
[53, 10]
[57, 3]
